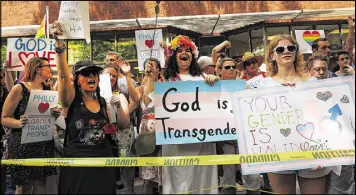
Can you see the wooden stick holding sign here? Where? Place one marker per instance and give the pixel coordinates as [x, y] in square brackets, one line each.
[193, 112]
[40, 123]
[312, 116]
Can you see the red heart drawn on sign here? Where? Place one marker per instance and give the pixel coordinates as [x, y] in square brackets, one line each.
[43, 107]
[26, 57]
[149, 43]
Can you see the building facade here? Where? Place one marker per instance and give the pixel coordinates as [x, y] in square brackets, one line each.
[248, 25]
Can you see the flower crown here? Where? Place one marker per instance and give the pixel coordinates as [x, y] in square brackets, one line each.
[182, 40]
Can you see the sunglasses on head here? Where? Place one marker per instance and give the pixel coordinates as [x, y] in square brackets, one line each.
[87, 73]
[281, 49]
[229, 67]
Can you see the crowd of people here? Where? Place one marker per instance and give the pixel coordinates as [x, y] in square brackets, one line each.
[89, 132]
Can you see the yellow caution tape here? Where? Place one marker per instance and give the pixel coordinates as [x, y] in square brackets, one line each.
[181, 160]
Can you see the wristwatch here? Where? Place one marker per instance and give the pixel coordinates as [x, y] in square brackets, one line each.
[60, 50]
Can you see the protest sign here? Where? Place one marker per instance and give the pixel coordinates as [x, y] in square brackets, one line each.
[255, 81]
[313, 116]
[106, 93]
[145, 42]
[74, 20]
[39, 126]
[21, 50]
[194, 112]
[305, 39]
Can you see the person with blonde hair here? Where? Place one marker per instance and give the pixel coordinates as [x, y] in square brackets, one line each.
[285, 65]
[29, 180]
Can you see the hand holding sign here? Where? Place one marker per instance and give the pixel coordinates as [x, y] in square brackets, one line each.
[23, 121]
[56, 30]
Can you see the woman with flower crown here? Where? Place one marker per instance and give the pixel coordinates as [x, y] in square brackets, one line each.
[182, 66]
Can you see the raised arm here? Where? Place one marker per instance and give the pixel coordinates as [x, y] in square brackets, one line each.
[66, 94]
[219, 48]
[134, 94]
[8, 76]
[351, 36]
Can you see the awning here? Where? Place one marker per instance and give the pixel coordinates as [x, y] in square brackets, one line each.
[203, 24]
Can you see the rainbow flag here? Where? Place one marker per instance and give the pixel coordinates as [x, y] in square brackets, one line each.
[43, 31]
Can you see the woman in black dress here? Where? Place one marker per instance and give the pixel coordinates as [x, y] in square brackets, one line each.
[28, 180]
[88, 125]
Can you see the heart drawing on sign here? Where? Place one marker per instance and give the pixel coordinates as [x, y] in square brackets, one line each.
[344, 99]
[324, 96]
[149, 43]
[43, 107]
[285, 132]
[306, 130]
[24, 57]
[309, 37]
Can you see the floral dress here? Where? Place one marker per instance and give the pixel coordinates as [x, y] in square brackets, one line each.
[20, 174]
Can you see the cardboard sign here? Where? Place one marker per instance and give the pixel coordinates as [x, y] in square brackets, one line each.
[21, 50]
[305, 39]
[255, 81]
[39, 126]
[315, 115]
[74, 20]
[106, 93]
[194, 112]
[145, 42]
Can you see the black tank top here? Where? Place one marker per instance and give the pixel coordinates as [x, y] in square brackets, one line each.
[86, 137]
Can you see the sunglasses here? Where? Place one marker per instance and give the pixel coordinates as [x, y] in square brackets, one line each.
[250, 62]
[87, 73]
[281, 49]
[229, 67]
[49, 66]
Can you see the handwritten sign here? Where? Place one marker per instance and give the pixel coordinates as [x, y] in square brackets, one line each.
[74, 19]
[194, 112]
[255, 81]
[21, 50]
[305, 39]
[39, 126]
[317, 115]
[106, 93]
[145, 42]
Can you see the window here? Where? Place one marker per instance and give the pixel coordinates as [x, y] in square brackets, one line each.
[207, 44]
[257, 42]
[273, 31]
[126, 47]
[332, 33]
[102, 44]
[78, 50]
[239, 44]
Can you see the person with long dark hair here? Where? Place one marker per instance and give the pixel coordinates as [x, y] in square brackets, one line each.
[88, 128]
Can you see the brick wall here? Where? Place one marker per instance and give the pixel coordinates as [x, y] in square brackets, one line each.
[17, 13]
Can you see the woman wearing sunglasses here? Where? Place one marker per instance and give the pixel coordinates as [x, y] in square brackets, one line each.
[88, 128]
[250, 66]
[285, 66]
[29, 180]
